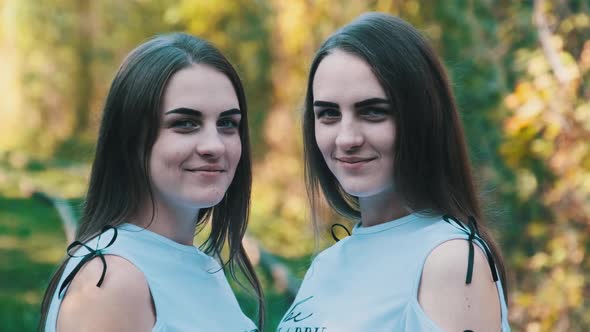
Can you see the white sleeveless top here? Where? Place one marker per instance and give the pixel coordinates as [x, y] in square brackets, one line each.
[369, 281]
[189, 289]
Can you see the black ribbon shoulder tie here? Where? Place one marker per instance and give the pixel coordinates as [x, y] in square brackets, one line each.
[332, 231]
[87, 257]
[473, 232]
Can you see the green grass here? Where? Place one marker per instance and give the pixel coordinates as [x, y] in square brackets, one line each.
[31, 244]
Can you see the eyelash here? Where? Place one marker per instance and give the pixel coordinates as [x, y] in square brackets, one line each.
[233, 124]
[372, 114]
[324, 113]
[179, 124]
[224, 124]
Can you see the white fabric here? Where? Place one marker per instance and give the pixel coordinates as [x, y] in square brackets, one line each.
[369, 281]
[189, 288]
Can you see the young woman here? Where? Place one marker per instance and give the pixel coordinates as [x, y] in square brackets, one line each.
[173, 152]
[384, 145]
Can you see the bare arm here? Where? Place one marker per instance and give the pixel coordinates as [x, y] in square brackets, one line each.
[122, 303]
[448, 301]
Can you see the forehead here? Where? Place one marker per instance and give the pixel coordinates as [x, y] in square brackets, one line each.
[200, 87]
[346, 78]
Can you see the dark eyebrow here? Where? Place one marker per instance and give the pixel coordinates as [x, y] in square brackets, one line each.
[185, 111]
[371, 102]
[196, 113]
[360, 104]
[233, 111]
[321, 103]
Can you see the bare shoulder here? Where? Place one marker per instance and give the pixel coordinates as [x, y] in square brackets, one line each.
[451, 303]
[122, 303]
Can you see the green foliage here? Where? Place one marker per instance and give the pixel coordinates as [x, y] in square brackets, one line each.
[31, 243]
[546, 143]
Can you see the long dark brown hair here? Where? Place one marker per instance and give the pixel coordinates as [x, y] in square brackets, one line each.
[119, 181]
[431, 167]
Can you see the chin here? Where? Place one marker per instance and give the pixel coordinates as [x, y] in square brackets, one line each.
[359, 191]
[203, 200]
[364, 189]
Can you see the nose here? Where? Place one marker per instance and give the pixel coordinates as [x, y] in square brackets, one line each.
[350, 135]
[209, 144]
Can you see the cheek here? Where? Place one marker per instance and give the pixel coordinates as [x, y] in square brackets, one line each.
[384, 138]
[233, 147]
[323, 139]
[169, 152]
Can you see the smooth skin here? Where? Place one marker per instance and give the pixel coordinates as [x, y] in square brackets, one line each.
[122, 303]
[355, 132]
[448, 301]
[192, 164]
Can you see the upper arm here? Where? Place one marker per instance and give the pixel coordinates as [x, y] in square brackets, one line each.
[122, 303]
[451, 303]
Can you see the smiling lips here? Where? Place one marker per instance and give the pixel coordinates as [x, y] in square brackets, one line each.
[353, 163]
[207, 169]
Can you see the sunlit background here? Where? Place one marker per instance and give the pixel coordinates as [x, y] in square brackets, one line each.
[520, 70]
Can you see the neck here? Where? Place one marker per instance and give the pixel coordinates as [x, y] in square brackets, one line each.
[382, 208]
[175, 222]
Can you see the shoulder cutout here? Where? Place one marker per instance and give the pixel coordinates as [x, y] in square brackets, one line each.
[122, 303]
[451, 303]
